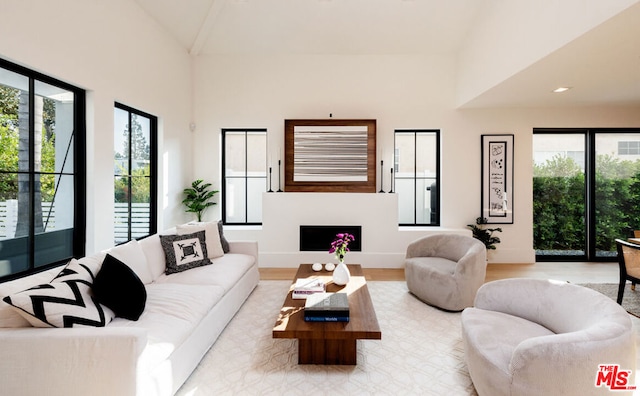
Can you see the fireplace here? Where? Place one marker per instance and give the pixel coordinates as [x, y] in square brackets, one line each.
[318, 238]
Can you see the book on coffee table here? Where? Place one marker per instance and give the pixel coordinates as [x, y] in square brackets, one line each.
[304, 287]
[327, 307]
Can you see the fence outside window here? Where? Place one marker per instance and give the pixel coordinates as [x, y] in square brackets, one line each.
[139, 219]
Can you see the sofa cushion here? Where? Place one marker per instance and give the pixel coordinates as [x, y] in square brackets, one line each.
[67, 301]
[212, 237]
[132, 255]
[184, 252]
[118, 287]
[440, 266]
[186, 302]
[225, 272]
[171, 314]
[152, 249]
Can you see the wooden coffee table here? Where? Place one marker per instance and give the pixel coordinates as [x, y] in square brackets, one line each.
[332, 342]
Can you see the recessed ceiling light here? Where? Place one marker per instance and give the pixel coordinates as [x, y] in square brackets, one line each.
[561, 89]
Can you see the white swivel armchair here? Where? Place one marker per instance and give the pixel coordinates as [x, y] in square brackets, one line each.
[532, 337]
[446, 270]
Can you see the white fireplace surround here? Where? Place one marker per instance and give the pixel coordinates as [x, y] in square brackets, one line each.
[384, 243]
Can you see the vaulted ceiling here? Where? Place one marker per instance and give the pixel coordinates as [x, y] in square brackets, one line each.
[315, 26]
[600, 60]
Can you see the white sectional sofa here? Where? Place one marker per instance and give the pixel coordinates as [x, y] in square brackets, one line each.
[183, 315]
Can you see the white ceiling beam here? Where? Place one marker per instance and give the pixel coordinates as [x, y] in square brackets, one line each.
[203, 33]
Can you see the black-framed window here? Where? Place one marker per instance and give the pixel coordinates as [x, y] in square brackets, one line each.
[244, 174]
[42, 171]
[586, 192]
[417, 176]
[135, 169]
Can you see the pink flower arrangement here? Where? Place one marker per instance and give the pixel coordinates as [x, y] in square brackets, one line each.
[340, 245]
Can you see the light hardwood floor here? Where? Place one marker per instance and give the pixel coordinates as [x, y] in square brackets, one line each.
[574, 272]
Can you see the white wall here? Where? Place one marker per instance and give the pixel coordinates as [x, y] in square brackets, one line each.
[117, 53]
[399, 92]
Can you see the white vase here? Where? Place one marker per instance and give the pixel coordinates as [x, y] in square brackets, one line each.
[341, 274]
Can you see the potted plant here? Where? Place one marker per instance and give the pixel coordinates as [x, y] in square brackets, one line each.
[198, 197]
[485, 235]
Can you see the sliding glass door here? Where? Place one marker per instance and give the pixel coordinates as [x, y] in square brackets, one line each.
[586, 192]
[616, 189]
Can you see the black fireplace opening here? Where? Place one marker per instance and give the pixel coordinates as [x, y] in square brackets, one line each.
[318, 238]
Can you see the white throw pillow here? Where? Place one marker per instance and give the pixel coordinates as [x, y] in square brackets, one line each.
[211, 236]
[132, 255]
[155, 255]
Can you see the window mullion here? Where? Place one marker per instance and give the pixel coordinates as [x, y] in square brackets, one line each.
[224, 176]
[31, 183]
[246, 176]
[415, 178]
[128, 176]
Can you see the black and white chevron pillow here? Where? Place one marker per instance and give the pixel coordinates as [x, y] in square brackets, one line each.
[65, 302]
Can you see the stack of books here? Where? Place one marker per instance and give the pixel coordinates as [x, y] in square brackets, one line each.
[327, 307]
[305, 287]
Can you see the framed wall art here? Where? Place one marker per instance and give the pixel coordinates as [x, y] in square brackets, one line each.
[497, 178]
[330, 155]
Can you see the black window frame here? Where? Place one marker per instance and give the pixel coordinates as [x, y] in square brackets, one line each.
[78, 234]
[153, 170]
[225, 177]
[438, 212]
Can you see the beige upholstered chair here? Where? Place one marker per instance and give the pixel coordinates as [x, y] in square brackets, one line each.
[540, 337]
[446, 270]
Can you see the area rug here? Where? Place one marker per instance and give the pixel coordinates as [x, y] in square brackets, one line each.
[421, 352]
[630, 301]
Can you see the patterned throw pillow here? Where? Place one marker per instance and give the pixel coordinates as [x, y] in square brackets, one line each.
[67, 301]
[183, 252]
